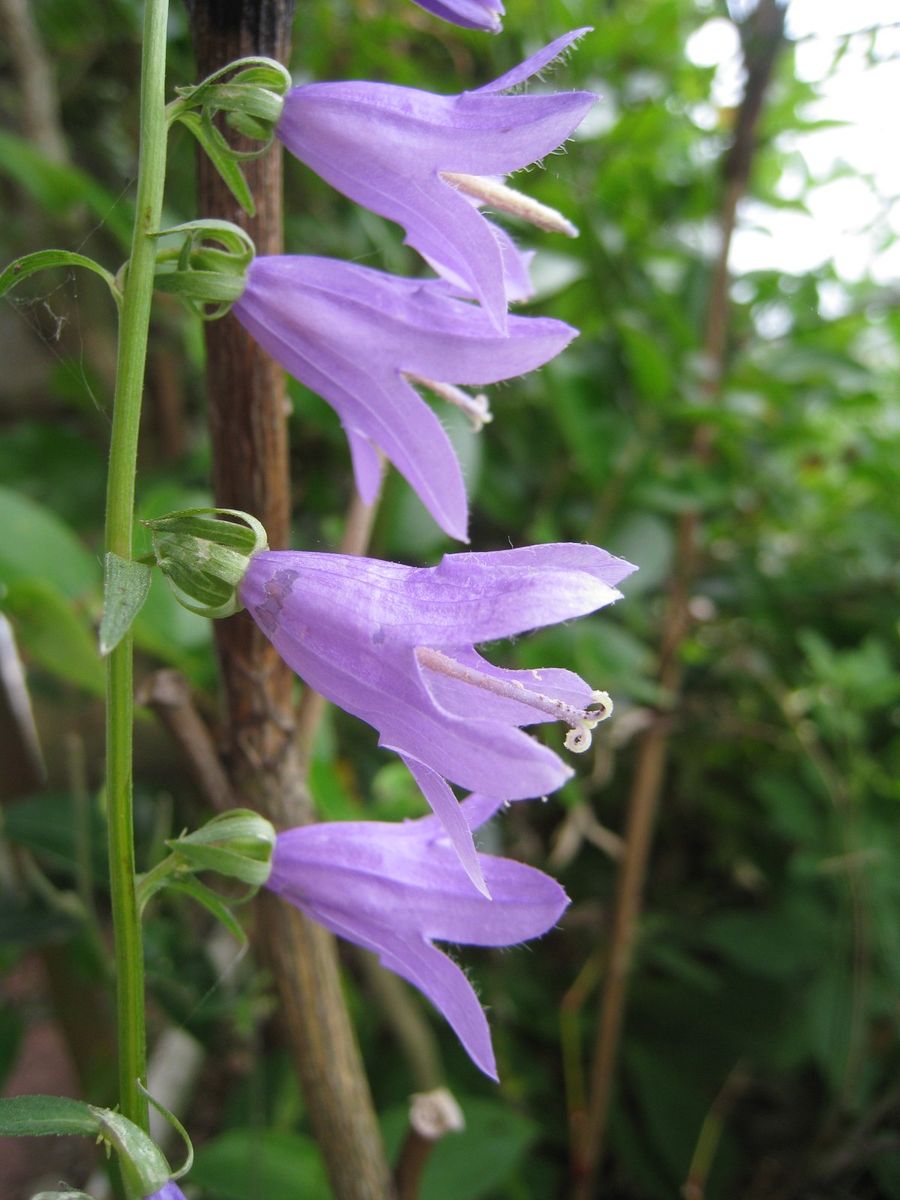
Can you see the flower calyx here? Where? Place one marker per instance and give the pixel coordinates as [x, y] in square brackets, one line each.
[208, 269]
[238, 844]
[204, 555]
[250, 93]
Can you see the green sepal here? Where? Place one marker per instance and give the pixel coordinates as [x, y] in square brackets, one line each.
[213, 903]
[67, 1195]
[256, 86]
[250, 92]
[143, 1164]
[238, 844]
[222, 158]
[126, 585]
[37, 1116]
[204, 559]
[208, 277]
[43, 260]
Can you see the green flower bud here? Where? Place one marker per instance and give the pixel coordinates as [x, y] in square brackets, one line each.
[204, 557]
[238, 844]
[143, 1164]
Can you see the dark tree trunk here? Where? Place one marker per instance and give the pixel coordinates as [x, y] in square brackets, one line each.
[247, 417]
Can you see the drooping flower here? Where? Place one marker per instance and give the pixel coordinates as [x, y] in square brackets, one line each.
[471, 14]
[428, 161]
[394, 645]
[396, 888]
[169, 1191]
[362, 339]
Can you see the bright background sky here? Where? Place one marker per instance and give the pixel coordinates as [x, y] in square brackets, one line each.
[854, 209]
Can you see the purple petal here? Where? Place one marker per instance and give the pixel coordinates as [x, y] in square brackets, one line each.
[439, 979]
[447, 809]
[169, 1191]
[536, 63]
[471, 14]
[332, 637]
[350, 333]
[394, 645]
[553, 556]
[367, 466]
[516, 269]
[386, 147]
[393, 889]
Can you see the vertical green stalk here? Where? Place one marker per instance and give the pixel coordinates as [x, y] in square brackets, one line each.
[132, 354]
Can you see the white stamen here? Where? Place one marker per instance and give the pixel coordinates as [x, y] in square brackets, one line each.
[476, 408]
[579, 739]
[581, 720]
[507, 199]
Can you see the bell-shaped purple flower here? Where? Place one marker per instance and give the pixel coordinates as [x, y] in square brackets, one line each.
[471, 14]
[394, 645]
[396, 888]
[169, 1191]
[428, 161]
[361, 339]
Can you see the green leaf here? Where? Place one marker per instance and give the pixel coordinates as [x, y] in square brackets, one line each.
[45, 260]
[60, 188]
[54, 634]
[649, 365]
[37, 544]
[261, 1162]
[37, 1116]
[125, 587]
[47, 824]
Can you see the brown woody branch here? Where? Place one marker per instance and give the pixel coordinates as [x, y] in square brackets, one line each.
[762, 36]
[248, 425]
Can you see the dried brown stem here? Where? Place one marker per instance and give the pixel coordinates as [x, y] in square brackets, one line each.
[762, 37]
[40, 101]
[168, 694]
[432, 1115]
[250, 471]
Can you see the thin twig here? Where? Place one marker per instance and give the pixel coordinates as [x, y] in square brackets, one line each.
[248, 425]
[432, 1116]
[168, 694]
[40, 100]
[762, 37]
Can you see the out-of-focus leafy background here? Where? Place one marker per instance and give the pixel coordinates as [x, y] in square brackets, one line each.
[759, 1056]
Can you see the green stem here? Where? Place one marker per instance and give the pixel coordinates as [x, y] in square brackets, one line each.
[132, 354]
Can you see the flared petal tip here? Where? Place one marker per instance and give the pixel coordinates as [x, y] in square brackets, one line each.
[485, 15]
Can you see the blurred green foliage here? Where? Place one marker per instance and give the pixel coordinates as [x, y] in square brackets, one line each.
[762, 1030]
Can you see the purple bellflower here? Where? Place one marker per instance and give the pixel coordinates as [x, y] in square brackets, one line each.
[169, 1191]
[396, 888]
[427, 162]
[362, 339]
[394, 645]
[471, 14]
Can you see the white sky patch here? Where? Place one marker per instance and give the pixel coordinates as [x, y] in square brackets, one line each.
[854, 202]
